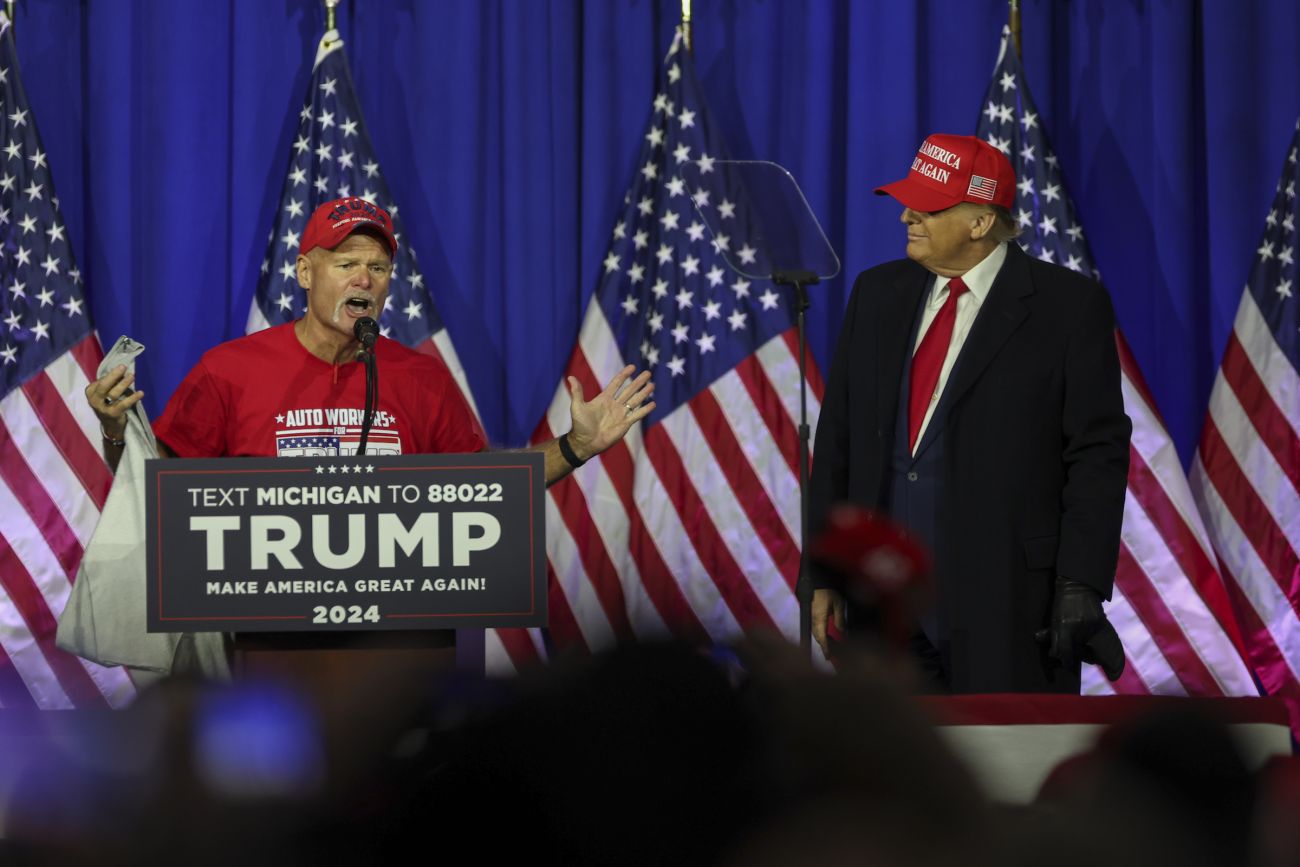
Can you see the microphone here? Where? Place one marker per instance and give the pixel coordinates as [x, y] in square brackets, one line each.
[367, 331]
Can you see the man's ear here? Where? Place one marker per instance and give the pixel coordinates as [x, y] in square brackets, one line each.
[304, 271]
[980, 226]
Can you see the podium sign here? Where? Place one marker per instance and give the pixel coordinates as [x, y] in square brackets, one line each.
[346, 543]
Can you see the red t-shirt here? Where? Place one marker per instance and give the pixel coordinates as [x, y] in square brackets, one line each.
[265, 395]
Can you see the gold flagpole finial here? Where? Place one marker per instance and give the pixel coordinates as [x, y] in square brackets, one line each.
[686, 23]
[1013, 21]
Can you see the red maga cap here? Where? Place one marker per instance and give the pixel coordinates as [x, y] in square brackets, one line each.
[334, 221]
[951, 169]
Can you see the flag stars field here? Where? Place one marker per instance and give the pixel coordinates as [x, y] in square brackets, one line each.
[332, 157]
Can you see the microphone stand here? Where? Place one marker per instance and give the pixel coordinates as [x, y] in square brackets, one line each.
[801, 280]
[372, 397]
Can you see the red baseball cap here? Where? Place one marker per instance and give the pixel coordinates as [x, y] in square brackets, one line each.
[951, 169]
[334, 221]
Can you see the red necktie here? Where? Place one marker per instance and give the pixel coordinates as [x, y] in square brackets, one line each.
[928, 361]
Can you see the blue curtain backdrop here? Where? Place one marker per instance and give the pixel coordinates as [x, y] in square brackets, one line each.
[509, 130]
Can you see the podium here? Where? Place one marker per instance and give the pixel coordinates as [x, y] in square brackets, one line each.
[324, 569]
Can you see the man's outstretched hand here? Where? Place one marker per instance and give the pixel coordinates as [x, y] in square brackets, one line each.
[606, 418]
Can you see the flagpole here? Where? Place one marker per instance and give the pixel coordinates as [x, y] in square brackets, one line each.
[1013, 22]
[686, 24]
[330, 18]
[9, 11]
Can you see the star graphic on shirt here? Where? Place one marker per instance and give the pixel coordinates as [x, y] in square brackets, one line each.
[279, 419]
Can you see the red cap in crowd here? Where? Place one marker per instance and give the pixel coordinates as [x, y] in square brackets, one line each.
[951, 169]
[334, 221]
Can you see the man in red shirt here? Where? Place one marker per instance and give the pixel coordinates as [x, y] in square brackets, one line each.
[292, 389]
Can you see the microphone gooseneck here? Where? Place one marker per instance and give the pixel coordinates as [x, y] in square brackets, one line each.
[367, 332]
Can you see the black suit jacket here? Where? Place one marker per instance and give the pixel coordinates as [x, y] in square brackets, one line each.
[1035, 454]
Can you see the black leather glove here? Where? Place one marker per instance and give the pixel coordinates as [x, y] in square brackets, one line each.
[1079, 630]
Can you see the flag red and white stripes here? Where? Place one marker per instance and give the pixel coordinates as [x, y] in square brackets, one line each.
[1246, 474]
[688, 530]
[53, 483]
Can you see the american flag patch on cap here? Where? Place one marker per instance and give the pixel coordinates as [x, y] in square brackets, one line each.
[982, 188]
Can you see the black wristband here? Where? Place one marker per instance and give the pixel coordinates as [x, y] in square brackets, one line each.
[567, 451]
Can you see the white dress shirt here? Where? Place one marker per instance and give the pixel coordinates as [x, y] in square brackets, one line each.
[979, 280]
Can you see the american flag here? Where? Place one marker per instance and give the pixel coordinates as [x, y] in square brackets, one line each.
[1170, 605]
[1246, 472]
[53, 481]
[332, 158]
[690, 526]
